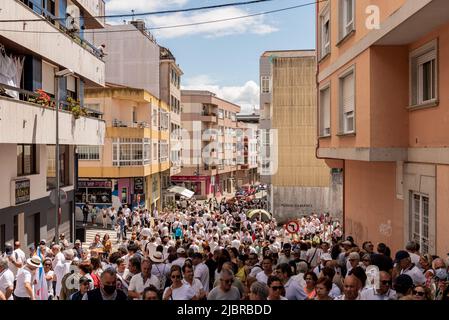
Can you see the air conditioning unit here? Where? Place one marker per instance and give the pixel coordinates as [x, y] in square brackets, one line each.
[73, 18]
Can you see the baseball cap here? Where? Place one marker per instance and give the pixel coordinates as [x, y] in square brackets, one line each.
[180, 250]
[77, 242]
[84, 279]
[43, 242]
[346, 243]
[401, 254]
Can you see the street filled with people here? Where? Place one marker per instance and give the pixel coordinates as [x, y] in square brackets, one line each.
[230, 249]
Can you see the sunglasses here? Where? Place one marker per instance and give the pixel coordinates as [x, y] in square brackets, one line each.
[176, 276]
[277, 287]
[47, 265]
[419, 293]
[386, 282]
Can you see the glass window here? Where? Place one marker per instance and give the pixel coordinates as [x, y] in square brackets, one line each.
[64, 169]
[26, 159]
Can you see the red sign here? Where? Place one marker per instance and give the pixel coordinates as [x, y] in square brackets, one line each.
[292, 227]
[189, 178]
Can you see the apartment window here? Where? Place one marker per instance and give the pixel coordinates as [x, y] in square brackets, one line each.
[265, 84]
[325, 103]
[48, 78]
[134, 115]
[220, 113]
[163, 151]
[26, 159]
[88, 152]
[72, 87]
[130, 152]
[346, 17]
[347, 102]
[419, 220]
[164, 120]
[64, 168]
[154, 118]
[325, 25]
[424, 69]
[155, 151]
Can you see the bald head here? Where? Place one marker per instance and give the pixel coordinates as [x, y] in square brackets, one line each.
[352, 287]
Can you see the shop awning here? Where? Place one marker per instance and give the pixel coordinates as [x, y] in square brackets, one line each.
[182, 191]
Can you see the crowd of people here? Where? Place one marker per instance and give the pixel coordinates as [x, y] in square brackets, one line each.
[213, 251]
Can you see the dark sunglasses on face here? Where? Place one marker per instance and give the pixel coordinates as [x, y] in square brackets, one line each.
[47, 265]
[277, 287]
[419, 293]
[386, 282]
[176, 276]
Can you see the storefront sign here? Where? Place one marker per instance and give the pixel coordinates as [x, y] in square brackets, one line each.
[189, 178]
[138, 185]
[20, 189]
[95, 184]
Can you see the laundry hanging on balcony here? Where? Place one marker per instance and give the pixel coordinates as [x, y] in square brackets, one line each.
[11, 68]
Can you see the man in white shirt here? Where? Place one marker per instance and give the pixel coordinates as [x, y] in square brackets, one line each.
[201, 271]
[25, 277]
[385, 292]
[17, 259]
[407, 267]
[142, 280]
[411, 249]
[235, 243]
[57, 254]
[62, 268]
[267, 266]
[181, 253]
[351, 289]
[6, 279]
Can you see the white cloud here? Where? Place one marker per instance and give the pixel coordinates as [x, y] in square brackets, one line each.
[254, 25]
[123, 6]
[246, 96]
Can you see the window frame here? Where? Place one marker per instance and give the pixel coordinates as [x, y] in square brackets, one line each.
[325, 16]
[34, 167]
[322, 134]
[416, 86]
[342, 114]
[264, 80]
[345, 29]
[418, 229]
[87, 152]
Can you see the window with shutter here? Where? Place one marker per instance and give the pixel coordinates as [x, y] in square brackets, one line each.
[423, 75]
[325, 112]
[346, 17]
[48, 78]
[325, 43]
[347, 102]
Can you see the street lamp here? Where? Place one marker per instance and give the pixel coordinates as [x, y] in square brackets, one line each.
[58, 75]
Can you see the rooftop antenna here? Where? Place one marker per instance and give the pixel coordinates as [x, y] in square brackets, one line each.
[133, 13]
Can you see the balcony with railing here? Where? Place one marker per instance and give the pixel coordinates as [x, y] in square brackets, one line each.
[30, 118]
[51, 39]
[94, 12]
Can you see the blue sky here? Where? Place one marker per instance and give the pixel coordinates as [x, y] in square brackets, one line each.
[224, 57]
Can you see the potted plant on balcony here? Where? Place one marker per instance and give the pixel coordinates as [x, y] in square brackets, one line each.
[75, 108]
[42, 98]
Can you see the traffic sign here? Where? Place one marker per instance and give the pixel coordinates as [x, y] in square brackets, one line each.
[62, 196]
[292, 227]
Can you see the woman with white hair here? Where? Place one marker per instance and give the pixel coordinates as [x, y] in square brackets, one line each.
[258, 291]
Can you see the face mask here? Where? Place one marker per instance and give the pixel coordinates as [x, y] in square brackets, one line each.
[109, 289]
[441, 273]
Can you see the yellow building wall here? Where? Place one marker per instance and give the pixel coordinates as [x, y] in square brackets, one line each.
[294, 117]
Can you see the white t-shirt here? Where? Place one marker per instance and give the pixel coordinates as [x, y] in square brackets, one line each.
[60, 271]
[23, 276]
[201, 272]
[19, 256]
[6, 281]
[58, 258]
[179, 262]
[136, 283]
[185, 292]
[262, 277]
[196, 285]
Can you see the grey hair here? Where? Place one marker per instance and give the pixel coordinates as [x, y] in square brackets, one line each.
[260, 289]
[302, 267]
[226, 272]
[111, 271]
[4, 263]
[411, 246]
[68, 254]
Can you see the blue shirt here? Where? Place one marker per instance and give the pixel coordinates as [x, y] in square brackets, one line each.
[293, 290]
